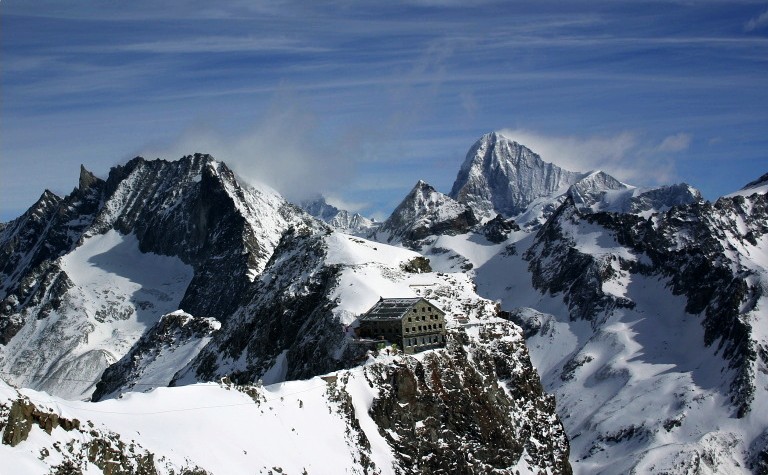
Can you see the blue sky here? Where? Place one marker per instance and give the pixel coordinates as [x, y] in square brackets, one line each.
[360, 100]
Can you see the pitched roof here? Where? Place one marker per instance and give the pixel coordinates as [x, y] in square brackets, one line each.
[390, 309]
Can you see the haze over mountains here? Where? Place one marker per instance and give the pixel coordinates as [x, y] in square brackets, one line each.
[640, 310]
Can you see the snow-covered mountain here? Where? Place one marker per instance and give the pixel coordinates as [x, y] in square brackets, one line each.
[83, 277]
[475, 407]
[425, 212]
[501, 176]
[176, 273]
[759, 186]
[643, 311]
[339, 219]
[659, 331]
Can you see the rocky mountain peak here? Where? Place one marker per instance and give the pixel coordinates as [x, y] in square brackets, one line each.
[756, 186]
[189, 223]
[501, 176]
[320, 208]
[87, 179]
[763, 180]
[590, 189]
[425, 211]
[340, 219]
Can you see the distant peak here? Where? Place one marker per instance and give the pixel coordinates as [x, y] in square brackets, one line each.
[763, 180]
[87, 179]
[48, 194]
[498, 137]
[501, 176]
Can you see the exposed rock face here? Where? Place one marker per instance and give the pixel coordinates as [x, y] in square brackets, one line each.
[681, 289]
[557, 266]
[22, 415]
[152, 362]
[193, 209]
[497, 230]
[425, 212]
[446, 414]
[287, 327]
[591, 189]
[500, 176]
[694, 246]
[72, 447]
[702, 249]
[665, 197]
[29, 244]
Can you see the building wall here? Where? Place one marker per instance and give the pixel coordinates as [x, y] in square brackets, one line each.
[385, 329]
[422, 327]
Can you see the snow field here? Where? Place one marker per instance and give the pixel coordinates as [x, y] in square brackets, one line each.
[118, 293]
[292, 425]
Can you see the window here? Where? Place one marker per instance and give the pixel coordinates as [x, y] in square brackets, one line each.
[430, 308]
[423, 317]
[407, 330]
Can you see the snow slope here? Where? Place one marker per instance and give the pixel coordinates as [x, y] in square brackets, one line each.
[85, 276]
[636, 386]
[115, 292]
[217, 428]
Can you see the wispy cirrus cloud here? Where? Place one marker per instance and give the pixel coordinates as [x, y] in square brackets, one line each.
[757, 22]
[384, 93]
[222, 44]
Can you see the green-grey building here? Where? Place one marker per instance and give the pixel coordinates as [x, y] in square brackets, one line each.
[414, 324]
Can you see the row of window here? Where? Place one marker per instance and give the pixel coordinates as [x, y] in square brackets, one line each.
[414, 329]
[423, 309]
[424, 317]
[423, 340]
[421, 328]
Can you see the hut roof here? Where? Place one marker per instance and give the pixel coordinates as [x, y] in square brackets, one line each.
[390, 309]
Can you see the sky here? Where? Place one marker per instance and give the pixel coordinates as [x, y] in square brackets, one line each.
[359, 100]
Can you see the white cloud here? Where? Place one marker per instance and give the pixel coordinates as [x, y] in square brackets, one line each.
[622, 155]
[283, 150]
[338, 201]
[757, 22]
[675, 143]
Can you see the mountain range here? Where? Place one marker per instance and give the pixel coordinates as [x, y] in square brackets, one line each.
[172, 319]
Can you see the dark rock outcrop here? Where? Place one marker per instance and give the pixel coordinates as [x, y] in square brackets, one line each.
[695, 246]
[471, 408]
[498, 229]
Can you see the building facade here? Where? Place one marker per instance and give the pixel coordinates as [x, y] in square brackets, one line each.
[414, 324]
